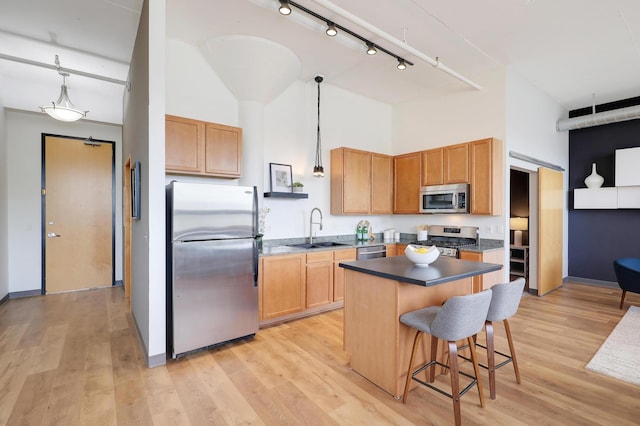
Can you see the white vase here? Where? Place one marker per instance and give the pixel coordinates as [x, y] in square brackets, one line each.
[594, 180]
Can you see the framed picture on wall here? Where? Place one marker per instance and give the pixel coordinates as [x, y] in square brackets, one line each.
[281, 177]
[135, 191]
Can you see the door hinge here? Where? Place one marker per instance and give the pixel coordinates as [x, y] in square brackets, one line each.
[43, 191]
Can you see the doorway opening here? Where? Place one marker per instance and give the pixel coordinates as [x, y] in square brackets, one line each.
[523, 221]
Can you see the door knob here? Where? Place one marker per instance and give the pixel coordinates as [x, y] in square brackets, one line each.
[53, 235]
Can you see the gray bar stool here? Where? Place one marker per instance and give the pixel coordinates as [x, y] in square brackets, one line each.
[505, 301]
[461, 317]
[504, 304]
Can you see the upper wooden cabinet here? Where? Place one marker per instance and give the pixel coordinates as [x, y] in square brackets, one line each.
[485, 176]
[360, 182]
[449, 164]
[456, 163]
[202, 148]
[406, 183]
[381, 184]
[433, 167]
[184, 144]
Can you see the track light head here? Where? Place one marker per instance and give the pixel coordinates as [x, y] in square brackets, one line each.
[402, 65]
[318, 79]
[285, 7]
[371, 48]
[331, 29]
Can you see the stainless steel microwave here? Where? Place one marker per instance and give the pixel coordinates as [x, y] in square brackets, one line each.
[452, 198]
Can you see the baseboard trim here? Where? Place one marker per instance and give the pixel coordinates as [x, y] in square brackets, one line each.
[28, 293]
[118, 282]
[589, 281]
[154, 360]
[5, 299]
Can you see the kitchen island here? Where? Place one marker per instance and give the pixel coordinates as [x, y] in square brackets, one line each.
[378, 292]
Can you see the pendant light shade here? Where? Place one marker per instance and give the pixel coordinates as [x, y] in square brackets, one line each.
[63, 109]
[318, 170]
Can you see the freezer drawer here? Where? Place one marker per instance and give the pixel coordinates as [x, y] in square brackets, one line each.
[213, 292]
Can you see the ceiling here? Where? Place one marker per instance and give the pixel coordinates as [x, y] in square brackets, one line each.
[573, 50]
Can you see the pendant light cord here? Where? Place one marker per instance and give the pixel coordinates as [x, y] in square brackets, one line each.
[318, 144]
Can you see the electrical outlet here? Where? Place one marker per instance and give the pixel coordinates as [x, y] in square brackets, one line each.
[500, 229]
[489, 229]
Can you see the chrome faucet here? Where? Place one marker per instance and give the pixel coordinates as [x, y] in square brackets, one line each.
[311, 223]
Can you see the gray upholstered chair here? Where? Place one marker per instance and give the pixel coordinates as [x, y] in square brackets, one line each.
[627, 271]
[504, 304]
[460, 317]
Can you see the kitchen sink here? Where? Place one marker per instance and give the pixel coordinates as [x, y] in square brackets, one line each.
[303, 245]
[329, 244]
[318, 245]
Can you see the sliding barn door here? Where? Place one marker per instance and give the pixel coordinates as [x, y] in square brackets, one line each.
[550, 230]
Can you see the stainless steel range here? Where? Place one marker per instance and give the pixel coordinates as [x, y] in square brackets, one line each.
[449, 239]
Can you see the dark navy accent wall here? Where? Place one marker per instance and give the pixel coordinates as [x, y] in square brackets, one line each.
[598, 237]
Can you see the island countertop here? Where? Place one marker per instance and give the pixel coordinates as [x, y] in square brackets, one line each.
[401, 269]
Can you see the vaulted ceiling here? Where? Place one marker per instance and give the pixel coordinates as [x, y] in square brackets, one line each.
[572, 50]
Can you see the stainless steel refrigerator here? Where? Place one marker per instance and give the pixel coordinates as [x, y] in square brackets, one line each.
[212, 265]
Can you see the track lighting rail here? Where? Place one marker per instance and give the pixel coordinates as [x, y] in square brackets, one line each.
[369, 44]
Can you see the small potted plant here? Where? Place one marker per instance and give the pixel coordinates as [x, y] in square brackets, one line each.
[297, 186]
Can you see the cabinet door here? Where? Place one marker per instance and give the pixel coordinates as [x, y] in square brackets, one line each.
[319, 278]
[485, 281]
[433, 167]
[357, 181]
[184, 144]
[485, 157]
[346, 255]
[406, 183]
[381, 184]
[283, 285]
[456, 163]
[391, 250]
[223, 150]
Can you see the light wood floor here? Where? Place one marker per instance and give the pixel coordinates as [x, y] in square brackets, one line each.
[74, 359]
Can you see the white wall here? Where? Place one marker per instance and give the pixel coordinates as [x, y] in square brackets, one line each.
[4, 206]
[346, 119]
[193, 89]
[24, 165]
[531, 119]
[144, 108]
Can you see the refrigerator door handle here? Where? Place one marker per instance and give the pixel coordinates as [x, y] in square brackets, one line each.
[255, 262]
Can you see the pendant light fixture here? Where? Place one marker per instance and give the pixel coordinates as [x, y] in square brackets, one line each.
[318, 170]
[63, 109]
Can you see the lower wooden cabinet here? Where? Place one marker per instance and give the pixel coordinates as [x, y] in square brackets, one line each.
[347, 255]
[319, 278]
[391, 250]
[282, 288]
[485, 281]
[295, 285]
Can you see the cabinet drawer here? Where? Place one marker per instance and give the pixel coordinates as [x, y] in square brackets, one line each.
[346, 254]
[320, 256]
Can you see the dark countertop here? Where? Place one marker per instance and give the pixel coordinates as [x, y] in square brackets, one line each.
[399, 268]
